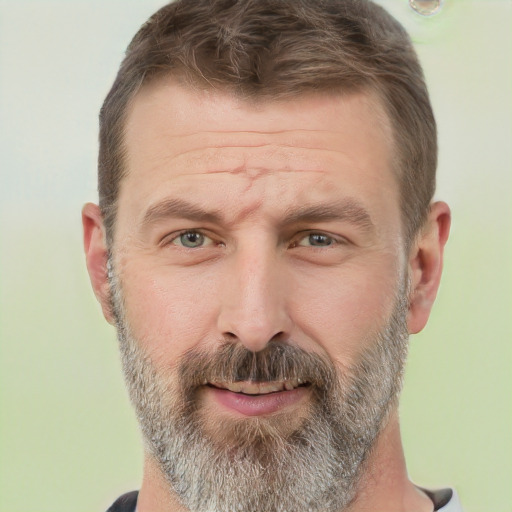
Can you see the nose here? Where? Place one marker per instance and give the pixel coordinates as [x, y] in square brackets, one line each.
[253, 300]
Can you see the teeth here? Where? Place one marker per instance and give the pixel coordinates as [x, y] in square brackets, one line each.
[288, 385]
[258, 388]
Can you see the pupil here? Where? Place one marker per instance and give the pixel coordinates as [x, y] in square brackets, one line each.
[319, 240]
[191, 239]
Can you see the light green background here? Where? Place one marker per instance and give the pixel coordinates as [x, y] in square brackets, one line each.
[68, 438]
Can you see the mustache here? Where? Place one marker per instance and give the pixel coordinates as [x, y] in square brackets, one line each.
[278, 361]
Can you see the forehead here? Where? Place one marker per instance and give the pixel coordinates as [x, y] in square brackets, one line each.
[220, 148]
[165, 109]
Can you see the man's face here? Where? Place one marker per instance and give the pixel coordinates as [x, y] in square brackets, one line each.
[260, 277]
[256, 222]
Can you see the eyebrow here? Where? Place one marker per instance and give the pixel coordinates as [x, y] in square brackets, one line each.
[182, 209]
[348, 210]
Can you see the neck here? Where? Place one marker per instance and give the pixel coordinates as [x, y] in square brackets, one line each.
[155, 494]
[384, 485]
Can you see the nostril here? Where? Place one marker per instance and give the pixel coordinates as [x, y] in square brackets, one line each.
[279, 337]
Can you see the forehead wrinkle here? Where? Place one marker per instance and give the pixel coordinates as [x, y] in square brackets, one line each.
[226, 167]
[207, 140]
[255, 172]
[213, 160]
[246, 134]
[227, 147]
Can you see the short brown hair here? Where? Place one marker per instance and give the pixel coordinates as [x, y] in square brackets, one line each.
[271, 49]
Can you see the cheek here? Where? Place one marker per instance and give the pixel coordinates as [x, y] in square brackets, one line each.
[168, 312]
[342, 312]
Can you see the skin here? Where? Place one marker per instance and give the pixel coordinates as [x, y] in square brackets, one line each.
[259, 275]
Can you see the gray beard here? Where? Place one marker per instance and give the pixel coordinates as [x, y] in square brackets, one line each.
[257, 464]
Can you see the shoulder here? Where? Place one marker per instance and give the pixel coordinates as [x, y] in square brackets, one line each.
[125, 503]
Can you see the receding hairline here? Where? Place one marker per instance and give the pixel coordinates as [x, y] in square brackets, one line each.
[188, 80]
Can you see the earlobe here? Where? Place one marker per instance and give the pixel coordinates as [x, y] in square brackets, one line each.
[426, 265]
[96, 254]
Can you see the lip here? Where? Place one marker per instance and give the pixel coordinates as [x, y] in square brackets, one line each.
[256, 404]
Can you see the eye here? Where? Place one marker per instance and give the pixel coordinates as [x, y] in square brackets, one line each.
[191, 240]
[316, 240]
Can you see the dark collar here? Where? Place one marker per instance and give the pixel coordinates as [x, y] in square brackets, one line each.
[127, 502]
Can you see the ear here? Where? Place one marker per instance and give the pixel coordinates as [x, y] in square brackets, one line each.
[96, 255]
[426, 265]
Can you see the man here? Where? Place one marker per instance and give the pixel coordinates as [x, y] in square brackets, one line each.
[265, 242]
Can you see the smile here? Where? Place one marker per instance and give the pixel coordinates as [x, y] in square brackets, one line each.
[258, 388]
[249, 398]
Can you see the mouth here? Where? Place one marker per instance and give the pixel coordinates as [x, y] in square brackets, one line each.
[259, 388]
[252, 398]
